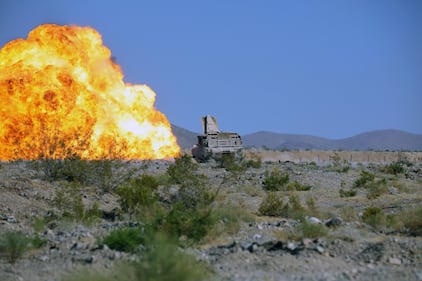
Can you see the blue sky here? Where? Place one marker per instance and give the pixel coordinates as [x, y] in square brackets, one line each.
[326, 68]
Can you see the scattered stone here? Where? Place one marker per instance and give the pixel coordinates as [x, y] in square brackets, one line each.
[313, 220]
[257, 237]
[291, 246]
[396, 261]
[334, 222]
[319, 249]
[10, 219]
[43, 258]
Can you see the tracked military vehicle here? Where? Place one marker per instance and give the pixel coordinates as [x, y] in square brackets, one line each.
[213, 142]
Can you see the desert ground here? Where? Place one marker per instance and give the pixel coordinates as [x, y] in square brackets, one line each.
[277, 215]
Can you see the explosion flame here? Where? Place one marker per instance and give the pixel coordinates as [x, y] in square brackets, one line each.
[61, 95]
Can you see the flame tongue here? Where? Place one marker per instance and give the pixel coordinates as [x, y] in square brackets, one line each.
[61, 95]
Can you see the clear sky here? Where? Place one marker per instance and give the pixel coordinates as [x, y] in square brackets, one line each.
[326, 68]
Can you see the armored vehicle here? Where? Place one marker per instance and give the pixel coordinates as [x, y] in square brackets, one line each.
[213, 142]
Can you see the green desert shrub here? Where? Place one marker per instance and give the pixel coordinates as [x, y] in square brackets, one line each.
[271, 205]
[374, 216]
[14, 244]
[412, 221]
[68, 200]
[310, 230]
[275, 180]
[376, 188]
[254, 163]
[191, 223]
[227, 218]
[295, 186]
[293, 208]
[393, 168]
[364, 178]
[347, 193]
[138, 195]
[231, 162]
[165, 262]
[182, 171]
[161, 259]
[124, 239]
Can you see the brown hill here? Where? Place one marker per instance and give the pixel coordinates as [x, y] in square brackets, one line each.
[373, 140]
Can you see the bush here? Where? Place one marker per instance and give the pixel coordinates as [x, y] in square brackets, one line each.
[374, 216]
[101, 173]
[271, 205]
[347, 193]
[192, 223]
[376, 188]
[182, 171]
[161, 260]
[394, 168]
[311, 230]
[295, 186]
[293, 208]
[138, 194]
[13, 245]
[364, 178]
[229, 162]
[275, 181]
[412, 221]
[165, 262]
[124, 239]
[68, 200]
[228, 219]
[256, 164]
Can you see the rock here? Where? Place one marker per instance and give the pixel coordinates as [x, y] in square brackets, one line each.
[10, 219]
[257, 237]
[307, 242]
[79, 246]
[333, 222]
[291, 246]
[313, 220]
[319, 249]
[396, 261]
[43, 258]
[87, 259]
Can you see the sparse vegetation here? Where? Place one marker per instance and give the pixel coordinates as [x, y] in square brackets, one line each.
[68, 200]
[124, 239]
[365, 177]
[227, 219]
[393, 168]
[213, 212]
[374, 216]
[231, 162]
[310, 230]
[412, 221]
[271, 205]
[105, 174]
[160, 260]
[337, 164]
[347, 193]
[275, 181]
[295, 186]
[183, 171]
[376, 188]
[293, 208]
[14, 244]
[138, 195]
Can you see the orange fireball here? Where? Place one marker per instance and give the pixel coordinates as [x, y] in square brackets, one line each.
[62, 96]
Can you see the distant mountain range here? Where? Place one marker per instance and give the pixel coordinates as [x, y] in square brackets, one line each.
[374, 140]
